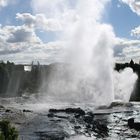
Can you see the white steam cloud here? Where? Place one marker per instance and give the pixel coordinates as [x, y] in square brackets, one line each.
[124, 84]
[87, 75]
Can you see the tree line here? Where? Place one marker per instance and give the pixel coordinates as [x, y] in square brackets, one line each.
[14, 80]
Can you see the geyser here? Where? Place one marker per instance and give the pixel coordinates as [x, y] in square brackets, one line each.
[87, 73]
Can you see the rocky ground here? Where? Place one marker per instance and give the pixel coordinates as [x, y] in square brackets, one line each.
[71, 122]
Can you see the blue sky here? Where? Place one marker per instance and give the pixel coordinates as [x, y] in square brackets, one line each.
[123, 20]
[123, 16]
[8, 12]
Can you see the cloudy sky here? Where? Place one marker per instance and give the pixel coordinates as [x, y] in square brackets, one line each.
[30, 29]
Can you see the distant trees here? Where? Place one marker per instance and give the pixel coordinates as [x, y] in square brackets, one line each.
[4, 78]
[131, 63]
[14, 80]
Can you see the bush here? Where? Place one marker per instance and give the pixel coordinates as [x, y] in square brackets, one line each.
[7, 132]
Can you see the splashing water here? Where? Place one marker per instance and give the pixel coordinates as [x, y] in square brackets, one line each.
[87, 75]
[124, 84]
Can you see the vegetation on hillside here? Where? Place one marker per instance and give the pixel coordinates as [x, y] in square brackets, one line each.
[14, 80]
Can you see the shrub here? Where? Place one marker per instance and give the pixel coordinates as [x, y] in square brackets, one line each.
[7, 132]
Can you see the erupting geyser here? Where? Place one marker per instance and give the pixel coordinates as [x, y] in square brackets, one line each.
[87, 73]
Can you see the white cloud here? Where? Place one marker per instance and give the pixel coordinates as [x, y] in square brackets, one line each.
[131, 52]
[27, 18]
[126, 42]
[20, 44]
[136, 32]
[22, 34]
[15, 34]
[133, 4]
[27, 52]
[40, 21]
[130, 49]
[3, 3]
[125, 49]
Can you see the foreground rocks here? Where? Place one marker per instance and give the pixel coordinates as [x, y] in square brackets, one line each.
[133, 125]
[73, 123]
[83, 122]
[69, 111]
[55, 135]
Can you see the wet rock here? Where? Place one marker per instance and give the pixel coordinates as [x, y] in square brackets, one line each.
[90, 113]
[8, 111]
[131, 122]
[100, 128]
[75, 110]
[61, 117]
[68, 111]
[83, 122]
[50, 115]
[102, 107]
[25, 110]
[88, 118]
[128, 104]
[116, 104]
[77, 116]
[56, 110]
[133, 125]
[133, 136]
[1, 107]
[49, 135]
[77, 127]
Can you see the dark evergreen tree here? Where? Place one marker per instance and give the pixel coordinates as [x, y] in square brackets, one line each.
[131, 63]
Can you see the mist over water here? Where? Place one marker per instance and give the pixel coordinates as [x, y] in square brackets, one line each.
[87, 73]
[124, 84]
